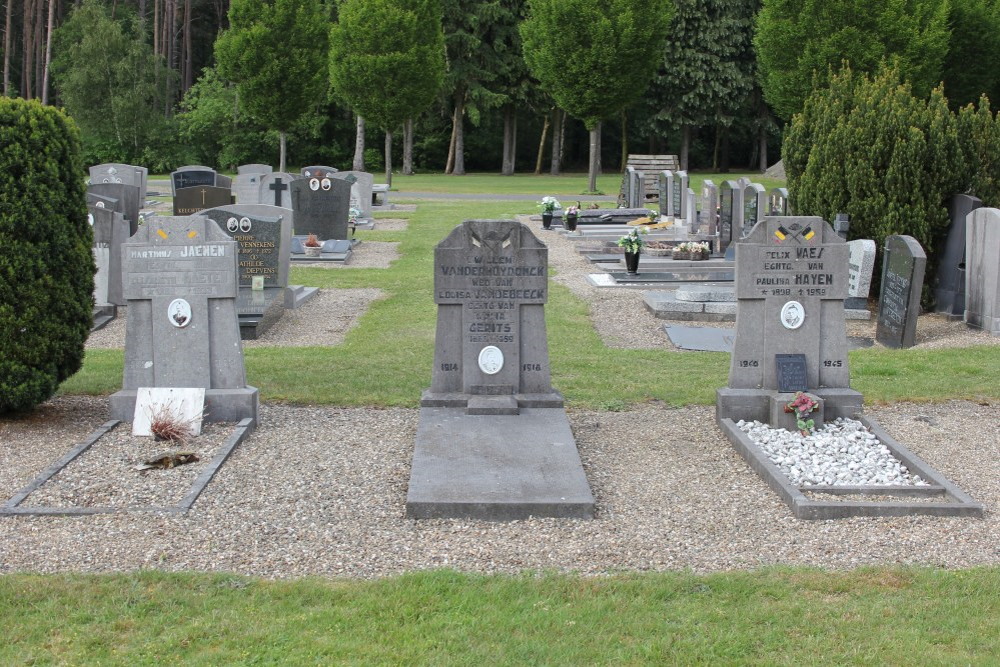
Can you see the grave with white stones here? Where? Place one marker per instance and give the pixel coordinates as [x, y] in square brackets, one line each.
[493, 440]
[791, 282]
[180, 283]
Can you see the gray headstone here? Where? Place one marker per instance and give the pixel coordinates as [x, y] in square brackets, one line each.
[223, 181]
[100, 201]
[491, 286]
[903, 266]
[691, 211]
[678, 193]
[111, 230]
[116, 172]
[191, 176]
[182, 328]
[322, 207]
[791, 282]
[982, 274]
[709, 213]
[727, 208]
[263, 234]
[275, 189]
[666, 187]
[318, 171]
[361, 190]
[949, 288]
[254, 169]
[861, 264]
[246, 188]
[127, 196]
[754, 205]
[188, 201]
[777, 203]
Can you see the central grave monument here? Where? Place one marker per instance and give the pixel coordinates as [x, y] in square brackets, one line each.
[494, 441]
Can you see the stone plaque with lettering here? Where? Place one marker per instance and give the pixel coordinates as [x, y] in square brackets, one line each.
[188, 201]
[491, 284]
[322, 207]
[264, 238]
[899, 302]
[182, 329]
[791, 281]
[791, 370]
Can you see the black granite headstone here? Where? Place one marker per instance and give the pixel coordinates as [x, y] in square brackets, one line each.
[322, 207]
[260, 245]
[899, 303]
[949, 286]
[192, 178]
[791, 372]
[188, 201]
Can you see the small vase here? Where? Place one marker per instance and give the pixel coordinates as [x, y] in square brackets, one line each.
[569, 222]
[632, 263]
[546, 221]
[313, 251]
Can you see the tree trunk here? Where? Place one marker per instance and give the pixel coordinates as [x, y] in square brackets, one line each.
[359, 145]
[39, 45]
[541, 145]
[624, 155]
[48, 54]
[388, 158]
[188, 72]
[6, 49]
[450, 162]
[281, 151]
[762, 147]
[458, 168]
[156, 27]
[27, 50]
[724, 154]
[595, 158]
[558, 126]
[685, 147]
[715, 149]
[408, 147]
[509, 139]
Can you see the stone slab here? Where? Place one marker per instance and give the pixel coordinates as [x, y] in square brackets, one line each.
[717, 339]
[705, 293]
[497, 467]
[259, 310]
[297, 295]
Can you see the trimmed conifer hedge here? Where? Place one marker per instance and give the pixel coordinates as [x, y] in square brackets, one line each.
[46, 262]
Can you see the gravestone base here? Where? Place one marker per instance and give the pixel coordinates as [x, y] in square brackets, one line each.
[297, 295]
[258, 310]
[103, 314]
[496, 467]
[221, 405]
[430, 399]
[778, 418]
[337, 251]
[755, 404]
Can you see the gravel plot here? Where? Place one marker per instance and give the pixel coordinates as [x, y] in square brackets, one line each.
[322, 491]
[105, 475]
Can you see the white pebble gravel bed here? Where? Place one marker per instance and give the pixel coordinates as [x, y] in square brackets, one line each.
[318, 490]
[105, 475]
[841, 453]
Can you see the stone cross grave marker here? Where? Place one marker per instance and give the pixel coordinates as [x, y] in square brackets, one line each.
[188, 201]
[949, 286]
[861, 264]
[322, 207]
[491, 286]
[126, 200]
[903, 264]
[791, 282]
[182, 329]
[982, 274]
[111, 230]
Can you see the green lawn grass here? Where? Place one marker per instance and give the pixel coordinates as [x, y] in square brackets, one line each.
[386, 360]
[775, 616]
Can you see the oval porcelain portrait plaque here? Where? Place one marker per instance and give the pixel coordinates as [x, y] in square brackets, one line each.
[792, 315]
[179, 313]
[490, 360]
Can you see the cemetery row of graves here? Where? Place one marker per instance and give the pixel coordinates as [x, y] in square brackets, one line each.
[494, 441]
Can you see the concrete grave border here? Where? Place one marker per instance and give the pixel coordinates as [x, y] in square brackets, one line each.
[243, 429]
[958, 502]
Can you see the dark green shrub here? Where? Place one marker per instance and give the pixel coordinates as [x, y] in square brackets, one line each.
[46, 263]
[867, 147]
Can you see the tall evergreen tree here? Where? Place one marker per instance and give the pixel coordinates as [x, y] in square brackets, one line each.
[275, 51]
[972, 66]
[799, 38]
[595, 57]
[387, 60]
